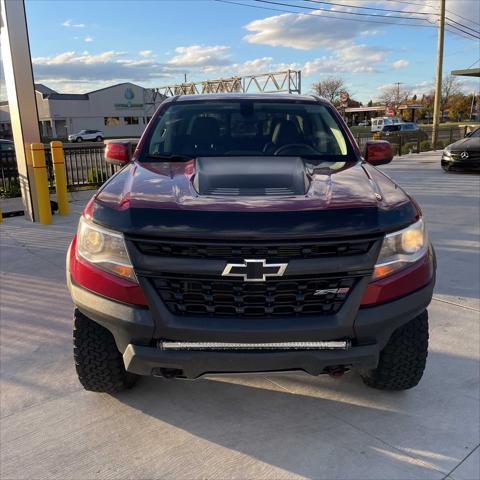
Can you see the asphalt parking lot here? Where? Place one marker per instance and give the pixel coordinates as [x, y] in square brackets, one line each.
[278, 426]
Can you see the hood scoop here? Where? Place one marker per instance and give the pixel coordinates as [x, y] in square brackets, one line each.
[250, 176]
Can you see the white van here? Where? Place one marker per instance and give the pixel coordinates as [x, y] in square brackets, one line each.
[379, 122]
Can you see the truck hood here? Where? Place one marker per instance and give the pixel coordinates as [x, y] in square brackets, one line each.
[164, 199]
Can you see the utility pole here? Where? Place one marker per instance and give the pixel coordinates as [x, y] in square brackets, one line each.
[438, 80]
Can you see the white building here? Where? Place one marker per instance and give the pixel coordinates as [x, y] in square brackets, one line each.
[121, 110]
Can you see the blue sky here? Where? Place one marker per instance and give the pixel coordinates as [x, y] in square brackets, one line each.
[78, 46]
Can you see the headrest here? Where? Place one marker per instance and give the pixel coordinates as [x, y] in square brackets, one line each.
[205, 128]
[286, 132]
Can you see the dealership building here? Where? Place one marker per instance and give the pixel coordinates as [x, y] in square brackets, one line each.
[120, 110]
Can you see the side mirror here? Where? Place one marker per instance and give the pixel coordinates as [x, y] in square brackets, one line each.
[118, 153]
[378, 152]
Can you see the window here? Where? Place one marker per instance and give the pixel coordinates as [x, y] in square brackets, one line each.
[131, 120]
[112, 121]
[248, 128]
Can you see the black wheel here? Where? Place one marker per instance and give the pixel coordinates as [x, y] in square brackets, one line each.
[98, 362]
[99, 139]
[403, 359]
[79, 140]
[445, 168]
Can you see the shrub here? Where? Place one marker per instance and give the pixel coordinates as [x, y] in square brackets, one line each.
[409, 148]
[425, 146]
[440, 145]
[12, 190]
[95, 176]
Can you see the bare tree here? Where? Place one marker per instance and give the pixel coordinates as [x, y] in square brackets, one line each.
[330, 88]
[394, 95]
[451, 86]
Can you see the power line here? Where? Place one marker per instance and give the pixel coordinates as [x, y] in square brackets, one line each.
[368, 8]
[360, 14]
[405, 12]
[462, 25]
[335, 14]
[336, 11]
[434, 8]
[464, 31]
[272, 9]
[474, 63]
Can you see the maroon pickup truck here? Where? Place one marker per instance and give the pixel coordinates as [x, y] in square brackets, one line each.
[247, 233]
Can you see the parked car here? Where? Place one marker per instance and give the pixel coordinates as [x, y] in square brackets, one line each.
[86, 135]
[409, 131]
[247, 233]
[378, 123]
[364, 123]
[463, 154]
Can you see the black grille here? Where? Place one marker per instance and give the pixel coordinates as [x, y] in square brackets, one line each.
[240, 251]
[471, 156]
[216, 297]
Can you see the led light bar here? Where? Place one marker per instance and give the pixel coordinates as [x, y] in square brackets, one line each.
[333, 345]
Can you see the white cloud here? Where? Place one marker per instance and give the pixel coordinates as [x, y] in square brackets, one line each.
[201, 56]
[401, 63]
[145, 53]
[88, 39]
[348, 59]
[69, 23]
[89, 71]
[305, 32]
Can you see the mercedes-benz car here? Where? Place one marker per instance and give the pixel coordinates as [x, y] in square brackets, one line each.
[464, 154]
[248, 233]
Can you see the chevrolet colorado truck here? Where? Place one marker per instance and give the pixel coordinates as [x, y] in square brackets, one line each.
[248, 233]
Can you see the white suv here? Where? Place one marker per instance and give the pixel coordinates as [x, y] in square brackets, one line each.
[92, 135]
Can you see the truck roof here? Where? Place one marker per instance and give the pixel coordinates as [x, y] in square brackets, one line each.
[281, 97]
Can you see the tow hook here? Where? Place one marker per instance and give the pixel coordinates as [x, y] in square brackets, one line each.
[337, 372]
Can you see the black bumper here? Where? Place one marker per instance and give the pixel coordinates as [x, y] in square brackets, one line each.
[467, 165]
[135, 332]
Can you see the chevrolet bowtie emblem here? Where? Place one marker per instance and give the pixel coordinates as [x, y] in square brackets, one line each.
[254, 270]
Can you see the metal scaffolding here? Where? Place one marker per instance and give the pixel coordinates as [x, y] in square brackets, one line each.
[288, 81]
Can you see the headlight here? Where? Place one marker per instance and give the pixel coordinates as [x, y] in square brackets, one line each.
[400, 249]
[105, 249]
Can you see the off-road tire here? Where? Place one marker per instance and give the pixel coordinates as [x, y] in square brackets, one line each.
[403, 359]
[98, 362]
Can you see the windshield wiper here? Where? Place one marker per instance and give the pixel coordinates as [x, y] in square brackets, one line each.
[170, 158]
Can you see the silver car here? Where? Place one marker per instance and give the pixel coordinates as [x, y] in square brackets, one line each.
[86, 135]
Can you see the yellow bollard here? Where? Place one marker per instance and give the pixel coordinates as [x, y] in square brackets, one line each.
[41, 182]
[58, 160]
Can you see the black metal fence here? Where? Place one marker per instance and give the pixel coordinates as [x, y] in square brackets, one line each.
[415, 142]
[85, 167]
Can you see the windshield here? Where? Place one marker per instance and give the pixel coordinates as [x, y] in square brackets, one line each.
[247, 128]
[475, 133]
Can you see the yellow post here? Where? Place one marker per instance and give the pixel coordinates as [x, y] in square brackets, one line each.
[41, 182]
[58, 160]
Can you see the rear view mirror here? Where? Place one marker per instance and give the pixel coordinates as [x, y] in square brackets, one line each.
[118, 153]
[378, 152]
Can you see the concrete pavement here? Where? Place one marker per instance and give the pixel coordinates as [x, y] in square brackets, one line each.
[275, 426]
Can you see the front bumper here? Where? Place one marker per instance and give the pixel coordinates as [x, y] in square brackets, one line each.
[134, 331]
[458, 164]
